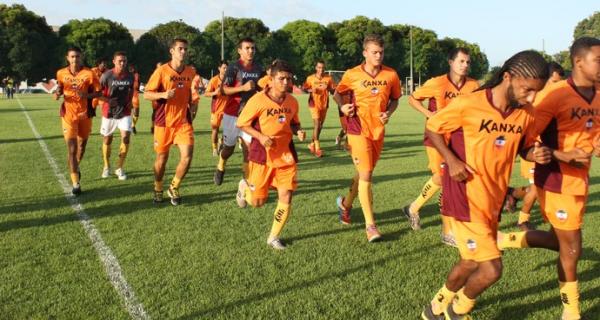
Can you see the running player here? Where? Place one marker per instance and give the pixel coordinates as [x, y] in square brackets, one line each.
[376, 90]
[439, 91]
[271, 118]
[135, 101]
[177, 103]
[318, 85]
[117, 90]
[217, 105]
[568, 121]
[76, 84]
[239, 85]
[487, 128]
[98, 70]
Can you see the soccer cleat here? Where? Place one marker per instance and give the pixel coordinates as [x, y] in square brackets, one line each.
[76, 190]
[105, 173]
[311, 148]
[510, 202]
[174, 195]
[526, 226]
[449, 314]
[319, 153]
[158, 197]
[373, 234]
[413, 218]
[240, 142]
[134, 130]
[215, 152]
[428, 314]
[337, 140]
[343, 212]
[449, 240]
[276, 244]
[218, 177]
[120, 173]
[241, 200]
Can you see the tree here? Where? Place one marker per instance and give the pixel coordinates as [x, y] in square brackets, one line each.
[27, 44]
[307, 44]
[564, 59]
[589, 26]
[97, 38]
[349, 35]
[479, 61]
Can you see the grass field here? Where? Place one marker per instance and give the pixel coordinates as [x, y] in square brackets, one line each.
[207, 259]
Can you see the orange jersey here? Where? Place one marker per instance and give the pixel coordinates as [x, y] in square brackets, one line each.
[488, 141]
[175, 111]
[219, 101]
[264, 82]
[71, 84]
[319, 97]
[371, 96]
[274, 120]
[135, 100]
[565, 120]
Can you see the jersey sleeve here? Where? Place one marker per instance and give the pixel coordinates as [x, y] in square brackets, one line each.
[345, 84]
[396, 91]
[230, 75]
[426, 91]
[545, 108]
[331, 85]
[154, 83]
[306, 85]
[212, 85]
[250, 112]
[447, 120]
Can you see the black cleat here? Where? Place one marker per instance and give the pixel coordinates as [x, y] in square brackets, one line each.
[218, 177]
[76, 190]
[134, 130]
[158, 197]
[174, 195]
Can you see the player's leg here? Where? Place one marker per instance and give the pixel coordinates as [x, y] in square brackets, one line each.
[230, 135]
[106, 151]
[123, 150]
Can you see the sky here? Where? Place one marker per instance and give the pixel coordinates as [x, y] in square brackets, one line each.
[501, 28]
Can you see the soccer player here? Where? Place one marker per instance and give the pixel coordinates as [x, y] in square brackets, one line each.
[487, 128]
[265, 80]
[271, 118]
[98, 70]
[318, 85]
[135, 101]
[117, 90]
[239, 85]
[528, 193]
[568, 122]
[439, 91]
[376, 90]
[217, 105]
[76, 84]
[177, 103]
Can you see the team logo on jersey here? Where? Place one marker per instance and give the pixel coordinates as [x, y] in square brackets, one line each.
[278, 111]
[500, 142]
[579, 112]
[589, 124]
[471, 244]
[451, 95]
[179, 85]
[492, 126]
[281, 118]
[562, 214]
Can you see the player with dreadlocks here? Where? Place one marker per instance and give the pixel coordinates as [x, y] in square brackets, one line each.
[487, 128]
[568, 121]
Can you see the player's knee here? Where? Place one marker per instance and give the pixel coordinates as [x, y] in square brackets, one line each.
[493, 271]
[437, 179]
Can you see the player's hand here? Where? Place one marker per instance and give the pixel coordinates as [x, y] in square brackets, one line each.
[301, 135]
[541, 154]
[578, 158]
[266, 141]
[249, 86]
[82, 94]
[459, 171]
[59, 92]
[348, 109]
[429, 114]
[82, 115]
[169, 94]
[384, 117]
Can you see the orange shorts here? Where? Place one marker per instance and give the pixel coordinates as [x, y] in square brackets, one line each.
[563, 211]
[262, 177]
[527, 168]
[435, 160]
[215, 119]
[476, 240]
[73, 129]
[364, 151]
[164, 137]
[318, 113]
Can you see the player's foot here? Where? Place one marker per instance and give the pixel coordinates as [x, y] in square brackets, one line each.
[105, 173]
[240, 196]
[218, 177]
[526, 226]
[451, 315]
[133, 130]
[449, 240]
[120, 173]
[510, 202]
[76, 190]
[174, 195]
[343, 212]
[311, 148]
[276, 244]
[319, 153]
[413, 218]
[158, 197]
[215, 153]
[373, 234]
[428, 314]
[337, 140]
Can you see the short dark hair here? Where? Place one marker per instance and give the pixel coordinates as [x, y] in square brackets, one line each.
[555, 67]
[582, 45]
[454, 52]
[375, 38]
[320, 61]
[74, 48]
[176, 40]
[120, 53]
[223, 62]
[280, 66]
[246, 39]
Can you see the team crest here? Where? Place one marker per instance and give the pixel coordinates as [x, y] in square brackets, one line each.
[179, 85]
[589, 124]
[500, 142]
[374, 91]
[281, 118]
[471, 244]
[562, 214]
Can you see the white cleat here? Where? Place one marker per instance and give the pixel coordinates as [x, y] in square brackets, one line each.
[276, 244]
[120, 173]
[105, 173]
[240, 196]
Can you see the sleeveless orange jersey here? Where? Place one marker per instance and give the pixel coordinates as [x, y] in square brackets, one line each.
[488, 141]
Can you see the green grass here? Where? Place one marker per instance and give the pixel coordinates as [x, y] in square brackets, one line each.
[208, 259]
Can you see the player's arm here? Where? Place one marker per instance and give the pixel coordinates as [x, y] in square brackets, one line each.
[212, 90]
[151, 91]
[418, 105]
[250, 113]
[227, 86]
[297, 128]
[385, 116]
[59, 87]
